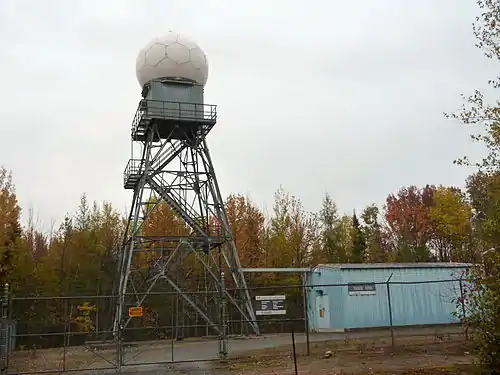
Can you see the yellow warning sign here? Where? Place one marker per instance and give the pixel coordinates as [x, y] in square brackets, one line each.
[135, 312]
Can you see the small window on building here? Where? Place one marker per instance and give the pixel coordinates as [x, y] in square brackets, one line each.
[358, 289]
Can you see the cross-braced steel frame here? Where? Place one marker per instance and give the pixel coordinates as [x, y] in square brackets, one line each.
[175, 169]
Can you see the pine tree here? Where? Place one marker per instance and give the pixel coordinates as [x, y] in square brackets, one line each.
[358, 251]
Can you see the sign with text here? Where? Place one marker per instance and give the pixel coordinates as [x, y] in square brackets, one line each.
[359, 289]
[270, 305]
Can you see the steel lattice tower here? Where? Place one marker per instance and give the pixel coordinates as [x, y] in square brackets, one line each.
[174, 168]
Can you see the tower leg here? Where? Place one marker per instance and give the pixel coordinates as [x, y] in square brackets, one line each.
[231, 255]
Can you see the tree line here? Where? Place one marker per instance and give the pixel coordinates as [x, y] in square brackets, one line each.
[426, 224]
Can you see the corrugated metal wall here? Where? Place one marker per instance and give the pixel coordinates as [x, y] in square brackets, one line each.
[176, 92]
[412, 304]
[175, 100]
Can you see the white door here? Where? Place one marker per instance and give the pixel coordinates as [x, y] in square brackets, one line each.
[323, 311]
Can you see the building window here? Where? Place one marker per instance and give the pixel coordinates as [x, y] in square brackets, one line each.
[358, 289]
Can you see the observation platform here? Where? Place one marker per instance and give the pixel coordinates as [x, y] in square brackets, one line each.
[173, 120]
[153, 244]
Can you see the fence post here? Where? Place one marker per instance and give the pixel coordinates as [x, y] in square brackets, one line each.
[462, 303]
[66, 337]
[389, 304]
[119, 344]
[4, 324]
[223, 317]
[306, 312]
[294, 351]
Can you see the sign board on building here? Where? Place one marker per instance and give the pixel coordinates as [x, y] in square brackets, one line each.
[270, 305]
[135, 312]
[359, 289]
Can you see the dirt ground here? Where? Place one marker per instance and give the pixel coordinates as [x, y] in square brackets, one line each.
[416, 355]
[427, 351]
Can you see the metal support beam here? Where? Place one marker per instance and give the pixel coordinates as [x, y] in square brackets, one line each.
[277, 270]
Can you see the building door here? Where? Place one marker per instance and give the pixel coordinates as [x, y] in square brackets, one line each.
[323, 311]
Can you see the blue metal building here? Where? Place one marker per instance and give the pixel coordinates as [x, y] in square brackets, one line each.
[420, 294]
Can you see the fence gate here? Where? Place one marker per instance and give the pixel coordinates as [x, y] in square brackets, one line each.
[56, 334]
[60, 334]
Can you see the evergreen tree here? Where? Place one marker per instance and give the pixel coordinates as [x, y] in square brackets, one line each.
[358, 252]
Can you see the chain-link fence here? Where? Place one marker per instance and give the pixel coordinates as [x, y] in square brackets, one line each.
[72, 333]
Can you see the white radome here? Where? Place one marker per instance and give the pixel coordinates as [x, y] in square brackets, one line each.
[171, 56]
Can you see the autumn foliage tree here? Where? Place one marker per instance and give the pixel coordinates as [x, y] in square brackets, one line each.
[291, 234]
[10, 227]
[409, 224]
[247, 224]
[451, 216]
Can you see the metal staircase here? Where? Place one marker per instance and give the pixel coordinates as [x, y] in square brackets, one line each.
[181, 209]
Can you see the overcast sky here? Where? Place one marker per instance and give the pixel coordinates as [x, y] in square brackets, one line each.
[318, 96]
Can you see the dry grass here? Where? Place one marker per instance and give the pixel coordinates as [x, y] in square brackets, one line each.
[57, 360]
[414, 355]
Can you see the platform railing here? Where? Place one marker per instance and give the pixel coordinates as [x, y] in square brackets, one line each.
[180, 111]
[134, 167]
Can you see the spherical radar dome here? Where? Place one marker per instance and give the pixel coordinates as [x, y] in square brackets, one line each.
[171, 56]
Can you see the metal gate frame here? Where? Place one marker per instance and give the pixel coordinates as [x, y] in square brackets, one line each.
[111, 354]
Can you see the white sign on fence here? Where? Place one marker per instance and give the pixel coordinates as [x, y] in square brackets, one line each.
[270, 305]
